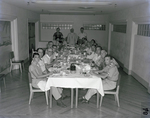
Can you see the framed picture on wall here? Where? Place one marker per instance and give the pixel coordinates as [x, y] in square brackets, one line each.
[5, 33]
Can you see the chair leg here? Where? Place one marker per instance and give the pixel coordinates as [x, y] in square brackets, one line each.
[101, 100]
[4, 82]
[20, 68]
[23, 65]
[76, 97]
[115, 97]
[50, 96]
[31, 96]
[72, 97]
[117, 100]
[10, 68]
[46, 95]
[97, 99]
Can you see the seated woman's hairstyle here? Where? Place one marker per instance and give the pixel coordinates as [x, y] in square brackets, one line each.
[35, 54]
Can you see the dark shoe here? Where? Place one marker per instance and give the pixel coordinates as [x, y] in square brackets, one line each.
[60, 103]
[80, 99]
[85, 101]
[64, 97]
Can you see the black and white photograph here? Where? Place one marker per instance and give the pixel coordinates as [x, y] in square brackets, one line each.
[74, 58]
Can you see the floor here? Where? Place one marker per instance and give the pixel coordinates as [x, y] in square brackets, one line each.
[14, 101]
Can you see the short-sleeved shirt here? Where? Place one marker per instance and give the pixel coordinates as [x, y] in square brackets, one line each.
[112, 72]
[91, 56]
[42, 65]
[110, 82]
[72, 38]
[96, 59]
[82, 35]
[36, 82]
[55, 55]
[47, 59]
[58, 35]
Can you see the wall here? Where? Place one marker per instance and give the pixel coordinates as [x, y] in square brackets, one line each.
[9, 12]
[135, 48]
[141, 57]
[78, 21]
[118, 45]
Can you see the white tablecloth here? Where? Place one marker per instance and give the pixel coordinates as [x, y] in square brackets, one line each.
[75, 81]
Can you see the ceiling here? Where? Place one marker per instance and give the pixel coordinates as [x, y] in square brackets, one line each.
[75, 7]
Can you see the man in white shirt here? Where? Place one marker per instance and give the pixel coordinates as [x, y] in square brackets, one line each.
[93, 53]
[72, 37]
[82, 35]
[48, 58]
[97, 57]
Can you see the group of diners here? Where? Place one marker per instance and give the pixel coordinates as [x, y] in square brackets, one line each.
[105, 66]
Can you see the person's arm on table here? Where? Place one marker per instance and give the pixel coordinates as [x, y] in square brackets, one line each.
[40, 76]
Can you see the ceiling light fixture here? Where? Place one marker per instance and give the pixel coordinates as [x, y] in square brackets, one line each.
[72, 2]
[57, 11]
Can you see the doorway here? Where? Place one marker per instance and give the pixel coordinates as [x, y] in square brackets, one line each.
[31, 37]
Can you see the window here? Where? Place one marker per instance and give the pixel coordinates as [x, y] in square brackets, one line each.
[94, 27]
[120, 28]
[144, 30]
[56, 25]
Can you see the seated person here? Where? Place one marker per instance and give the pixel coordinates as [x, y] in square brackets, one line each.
[101, 62]
[60, 46]
[109, 77]
[82, 47]
[92, 42]
[55, 53]
[49, 46]
[97, 57]
[48, 58]
[38, 78]
[93, 52]
[88, 48]
[40, 51]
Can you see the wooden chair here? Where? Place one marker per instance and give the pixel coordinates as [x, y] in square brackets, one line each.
[114, 92]
[2, 77]
[12, 62]
[33, 90]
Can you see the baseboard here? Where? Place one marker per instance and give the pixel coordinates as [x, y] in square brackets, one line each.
[138, 78]
[141, 80]
[149, 89]
[127, 71]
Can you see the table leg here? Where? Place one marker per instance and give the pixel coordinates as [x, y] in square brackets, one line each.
[76, 97]
[50, 96]
[71, 97]
[97, 99]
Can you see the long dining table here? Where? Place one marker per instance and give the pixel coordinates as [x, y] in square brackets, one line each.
[66, 79]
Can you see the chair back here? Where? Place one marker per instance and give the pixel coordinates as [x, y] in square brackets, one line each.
[118, 82]
[30, 78]
[33, 51]
[11, 55]
[30, 81]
